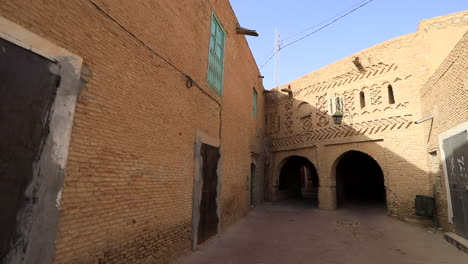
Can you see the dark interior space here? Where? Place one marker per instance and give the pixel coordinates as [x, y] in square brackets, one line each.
[253, 169]
[25, 104]
[359, 180]
[208, 225]
[299, 180]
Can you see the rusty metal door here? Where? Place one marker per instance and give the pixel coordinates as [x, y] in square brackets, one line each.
[208, 225]
[456, 161]
[28, 84]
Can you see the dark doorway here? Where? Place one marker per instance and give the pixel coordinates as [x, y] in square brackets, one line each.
[298, 180]
[359, 180]
[208, 225]
[28, 84]
[456, 158]
[252, 184]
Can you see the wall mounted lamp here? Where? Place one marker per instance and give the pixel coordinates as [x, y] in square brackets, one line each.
[338, 115]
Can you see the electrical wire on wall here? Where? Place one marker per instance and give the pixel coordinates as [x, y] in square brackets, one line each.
[189, 81]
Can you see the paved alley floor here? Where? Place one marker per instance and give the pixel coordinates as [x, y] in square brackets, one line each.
[292, 232]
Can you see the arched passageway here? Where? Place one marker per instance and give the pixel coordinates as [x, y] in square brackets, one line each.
[359, 180]
[298, 180]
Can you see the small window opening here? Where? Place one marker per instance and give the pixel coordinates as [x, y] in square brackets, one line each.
[362, 99]
[255, 96]
[391, 97]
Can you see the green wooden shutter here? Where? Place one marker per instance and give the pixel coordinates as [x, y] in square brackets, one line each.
[216, 56]
[254, 103]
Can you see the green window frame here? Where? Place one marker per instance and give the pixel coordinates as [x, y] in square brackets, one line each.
[254, 109]
[216, 56]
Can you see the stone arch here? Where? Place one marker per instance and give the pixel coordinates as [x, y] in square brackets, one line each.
[371, 174]
[285, 160]
[297, 177]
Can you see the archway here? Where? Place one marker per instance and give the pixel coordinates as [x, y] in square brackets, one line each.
[298, 180]
[359, 180]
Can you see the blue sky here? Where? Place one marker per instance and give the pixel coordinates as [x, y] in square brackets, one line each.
[374, 23]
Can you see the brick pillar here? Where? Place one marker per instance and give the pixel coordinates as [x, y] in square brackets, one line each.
[327, 198]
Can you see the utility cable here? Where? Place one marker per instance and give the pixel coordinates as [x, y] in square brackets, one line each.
[189, 79]
[269, 59]
[266, 56]
[326, 25]
[319, 29]
[324, 21]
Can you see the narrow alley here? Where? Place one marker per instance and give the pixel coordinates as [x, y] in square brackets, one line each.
[293, 232]
[151, 132]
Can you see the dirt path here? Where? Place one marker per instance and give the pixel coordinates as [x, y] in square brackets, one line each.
[294, 233]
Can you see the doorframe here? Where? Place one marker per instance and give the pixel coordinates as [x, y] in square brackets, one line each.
[254, 159]
[449, 133]
[38, 236]
[200, 139]
[253, 184]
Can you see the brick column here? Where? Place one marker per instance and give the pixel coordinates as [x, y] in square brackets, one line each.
[327, 197]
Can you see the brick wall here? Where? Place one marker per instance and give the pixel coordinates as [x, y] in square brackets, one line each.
[383, 130]
[445, 97]
[127, 196]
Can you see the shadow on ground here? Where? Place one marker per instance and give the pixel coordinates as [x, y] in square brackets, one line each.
[294, 232]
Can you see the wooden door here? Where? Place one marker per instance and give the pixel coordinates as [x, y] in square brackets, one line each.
[208, 225]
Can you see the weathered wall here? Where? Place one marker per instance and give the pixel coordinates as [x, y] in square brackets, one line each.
[34, 240]
[445, 97]
[302, 125]
[127, 195]
[442, 33]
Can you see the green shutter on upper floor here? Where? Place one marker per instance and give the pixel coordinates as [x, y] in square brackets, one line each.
[254, 103]
[215, 74]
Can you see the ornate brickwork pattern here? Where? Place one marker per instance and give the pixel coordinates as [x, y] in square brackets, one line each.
[363, 128]
[304, 113]
[347, 78]
[394, 106]
[349, 97]
[289, 113]
[322, 112]
[306, 122]
[376, 95]
[271, 119]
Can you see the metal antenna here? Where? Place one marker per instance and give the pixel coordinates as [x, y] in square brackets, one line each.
[277, 49]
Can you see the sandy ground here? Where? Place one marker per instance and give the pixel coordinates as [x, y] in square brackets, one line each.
[293, 232]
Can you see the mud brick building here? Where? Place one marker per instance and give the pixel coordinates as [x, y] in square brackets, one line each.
[379, 152]
[156, 95]
[131, 132]
[444, 100]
